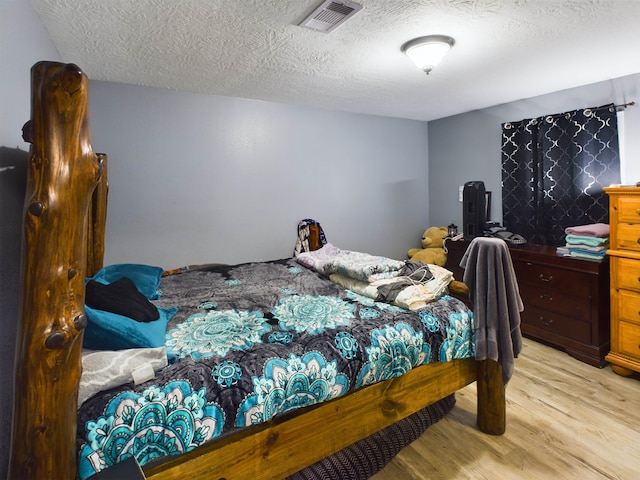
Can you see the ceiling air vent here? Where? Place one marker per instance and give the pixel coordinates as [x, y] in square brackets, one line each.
[330, 15]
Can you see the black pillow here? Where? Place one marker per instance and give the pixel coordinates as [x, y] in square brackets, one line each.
[120, 297]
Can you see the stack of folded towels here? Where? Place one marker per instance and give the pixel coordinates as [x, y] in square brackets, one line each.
[586, 241]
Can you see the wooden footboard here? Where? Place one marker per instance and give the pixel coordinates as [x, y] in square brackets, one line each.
[63, 242]
[286, 445]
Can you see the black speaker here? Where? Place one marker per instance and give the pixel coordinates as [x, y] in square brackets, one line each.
[474, 209]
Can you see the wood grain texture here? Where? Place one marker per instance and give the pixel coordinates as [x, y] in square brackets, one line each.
[566, 420]
[62, 174]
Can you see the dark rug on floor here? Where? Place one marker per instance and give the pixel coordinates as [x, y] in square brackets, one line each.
[367, 457]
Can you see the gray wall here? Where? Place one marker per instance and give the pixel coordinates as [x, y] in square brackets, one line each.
[197, 178]
[467, 146]
[23, 42]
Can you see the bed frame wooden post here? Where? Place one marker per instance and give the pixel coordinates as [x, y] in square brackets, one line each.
[62, 175]
[97, 221]
[492, 401]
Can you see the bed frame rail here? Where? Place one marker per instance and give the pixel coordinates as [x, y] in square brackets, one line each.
[286, 445]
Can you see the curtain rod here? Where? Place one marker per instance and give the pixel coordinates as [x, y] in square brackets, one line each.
[624, 105]
[616, 107]
[593, 109]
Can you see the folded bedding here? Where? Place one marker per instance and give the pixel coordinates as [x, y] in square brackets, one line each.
[588, 255]
[586, 240]
[586, 248]
[599, 230]
[410, 293]
[254, 341]
[357, 265]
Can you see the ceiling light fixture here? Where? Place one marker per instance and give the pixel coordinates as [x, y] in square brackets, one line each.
[427, 52]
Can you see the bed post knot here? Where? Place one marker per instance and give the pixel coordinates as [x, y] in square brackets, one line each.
[55, 340]
[100, 159]
[80, 321]
[27, 132]
[36, 209]
[72, 78]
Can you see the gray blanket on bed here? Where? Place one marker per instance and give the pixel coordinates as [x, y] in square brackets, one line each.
[494, 291]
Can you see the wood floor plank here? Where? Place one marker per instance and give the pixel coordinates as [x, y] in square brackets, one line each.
[565, 420]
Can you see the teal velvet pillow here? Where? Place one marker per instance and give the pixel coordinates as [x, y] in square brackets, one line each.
[146, 277]
[110, 331]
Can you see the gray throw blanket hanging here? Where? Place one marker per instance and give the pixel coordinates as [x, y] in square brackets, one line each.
[494, 292]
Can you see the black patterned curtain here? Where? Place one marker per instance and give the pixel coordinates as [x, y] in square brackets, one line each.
[553, 171]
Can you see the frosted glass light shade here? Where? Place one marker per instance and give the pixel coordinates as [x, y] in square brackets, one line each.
[427, 52]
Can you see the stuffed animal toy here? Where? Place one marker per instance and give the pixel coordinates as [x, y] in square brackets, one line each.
[432, 250]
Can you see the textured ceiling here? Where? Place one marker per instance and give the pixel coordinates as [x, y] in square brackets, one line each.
[505, 49]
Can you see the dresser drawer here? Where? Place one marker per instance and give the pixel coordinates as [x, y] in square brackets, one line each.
[558, 324]
[628, 237]
[629, 209]
[543, 276]
[629, 337]
[627, 273]
[556, 301]
[629, 306]
[624, 204]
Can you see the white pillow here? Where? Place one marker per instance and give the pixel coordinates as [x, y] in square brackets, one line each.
[103, 369]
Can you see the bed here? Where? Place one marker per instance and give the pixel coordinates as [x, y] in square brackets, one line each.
[63, 246]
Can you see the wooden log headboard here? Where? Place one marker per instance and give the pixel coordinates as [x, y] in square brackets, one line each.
[62, 176]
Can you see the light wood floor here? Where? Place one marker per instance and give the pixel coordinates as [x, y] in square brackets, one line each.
[565, 420]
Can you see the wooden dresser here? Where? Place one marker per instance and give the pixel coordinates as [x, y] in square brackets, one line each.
[566, 299]
[624, 218]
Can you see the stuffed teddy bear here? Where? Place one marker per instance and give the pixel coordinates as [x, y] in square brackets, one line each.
[432, 250]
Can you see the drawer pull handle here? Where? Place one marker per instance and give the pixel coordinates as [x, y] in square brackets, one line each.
[546, 279]
[546, 296]
[546, 322]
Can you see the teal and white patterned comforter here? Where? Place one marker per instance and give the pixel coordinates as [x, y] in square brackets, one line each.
[254, 341]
